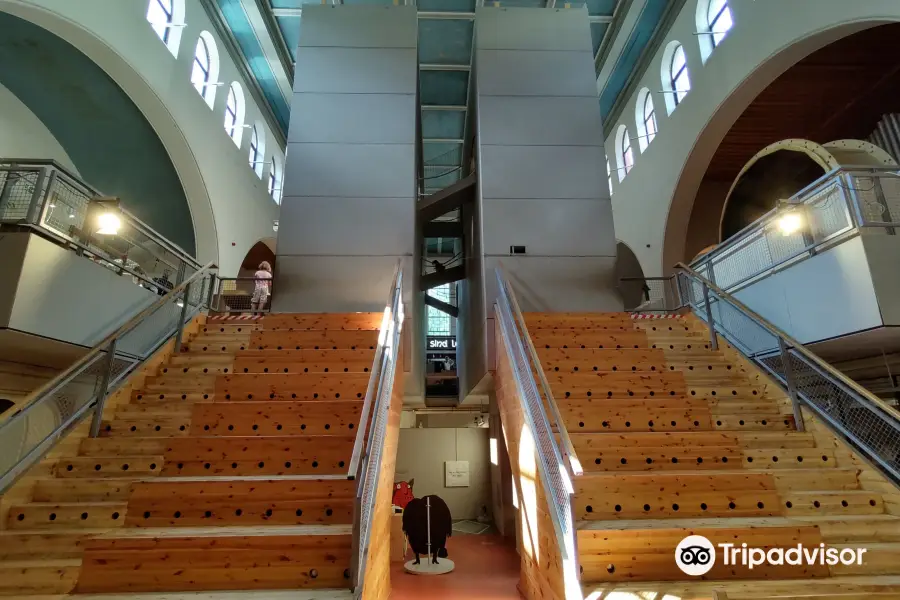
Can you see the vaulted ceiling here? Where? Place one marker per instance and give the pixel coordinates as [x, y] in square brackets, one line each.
[266, 33]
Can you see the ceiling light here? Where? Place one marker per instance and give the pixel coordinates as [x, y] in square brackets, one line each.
[108, 223]
[790, 223]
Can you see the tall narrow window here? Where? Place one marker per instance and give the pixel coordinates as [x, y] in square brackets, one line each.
[160, 14]
[275, 177]
[649, 120]
[200, 73]
[234, 113]
[627, 154]
[439, 321]
[680, 81]
[257, 151]
[608, 176]
[719, 19]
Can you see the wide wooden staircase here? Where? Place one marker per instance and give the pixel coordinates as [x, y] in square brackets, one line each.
[226, 469]
[677, 439]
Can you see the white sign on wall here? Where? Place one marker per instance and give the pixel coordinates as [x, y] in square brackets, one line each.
[456, 473]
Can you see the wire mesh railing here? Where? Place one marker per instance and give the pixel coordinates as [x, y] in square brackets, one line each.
[368, 448]
[50, 412]
[555, 472]
[242, 295]
[863, 420]
[45, 196]
[837, 206]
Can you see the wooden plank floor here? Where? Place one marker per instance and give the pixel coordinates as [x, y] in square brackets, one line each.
[677, 439]
[226, 471]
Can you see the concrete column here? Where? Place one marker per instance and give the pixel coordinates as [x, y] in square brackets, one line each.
[541, 171]
[348, 209]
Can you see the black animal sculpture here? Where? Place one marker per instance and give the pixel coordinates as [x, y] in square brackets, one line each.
[415, 526]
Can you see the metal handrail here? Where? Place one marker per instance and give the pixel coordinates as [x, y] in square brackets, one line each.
[367, 458]
[104, 351]
[573, 465]
[358, 443]
[791, 342]
[556, 481]
[854, 414]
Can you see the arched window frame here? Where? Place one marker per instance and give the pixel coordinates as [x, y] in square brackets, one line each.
[275, 178]
[166, 18]
[257, 150]
[609, 177]
[624, 152]
[234, 113]
[645, 119]
[205, 68]
[676, 79]
[719, 20]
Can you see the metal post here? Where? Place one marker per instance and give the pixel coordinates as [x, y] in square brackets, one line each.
[184, 308]
[211, 291]
[791, 384]
[713, 341]
[104, 384]
[37, 197]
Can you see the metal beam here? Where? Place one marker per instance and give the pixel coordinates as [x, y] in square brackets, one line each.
[442, 229]
[274, 31]
[442, 306]
[438, 278]
[436, 67]
[423, 14]
[443, 107]
[441, 141]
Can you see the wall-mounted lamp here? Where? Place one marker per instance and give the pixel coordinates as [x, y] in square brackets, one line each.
[107, 217]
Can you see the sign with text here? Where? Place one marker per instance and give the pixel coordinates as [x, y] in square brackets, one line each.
[441, 343]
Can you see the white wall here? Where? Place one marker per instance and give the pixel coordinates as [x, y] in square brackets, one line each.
[38, 301]
[230, 206]
[652, 206]
[793, 301]
[23, 135]
[421, 455]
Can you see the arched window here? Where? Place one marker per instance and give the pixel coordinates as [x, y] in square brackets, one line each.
[645, 118]
[680, 81]
[234, 113]
[205, 68]
[718, 17]
[608, 176]
[257, 151]
[166, 17]
[275, 177]
[624, 154]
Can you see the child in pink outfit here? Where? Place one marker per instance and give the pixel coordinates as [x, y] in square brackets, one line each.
[263, 288]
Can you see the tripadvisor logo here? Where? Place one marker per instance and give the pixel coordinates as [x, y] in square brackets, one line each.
[695, 555]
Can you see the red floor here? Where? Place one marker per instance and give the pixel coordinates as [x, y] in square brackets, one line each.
[486, 567]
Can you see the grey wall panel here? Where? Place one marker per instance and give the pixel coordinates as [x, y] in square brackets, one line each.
[356, 70]
[528, 29]
[358, 26]
[550, 227]
[543, 172]
[551, 284]
[347, 226]
[569, 121]
[883, 255]
[351, 171]
[347, 118]
[335, 283]
[513, 73]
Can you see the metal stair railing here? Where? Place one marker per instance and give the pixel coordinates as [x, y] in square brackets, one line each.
[554, 469]
[50, 412]
[365, 462]
[864, 421]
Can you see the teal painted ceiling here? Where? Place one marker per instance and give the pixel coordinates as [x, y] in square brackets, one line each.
[106, 136]
[445, 55]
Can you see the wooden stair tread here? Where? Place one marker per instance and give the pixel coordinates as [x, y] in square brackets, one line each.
[45, 562]
[294, 594]
[729, 522]
[229, 531]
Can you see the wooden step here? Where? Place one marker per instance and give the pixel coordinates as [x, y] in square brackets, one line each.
[325, 339]
[266, 418]
[254, 503]
[195, 563]
[230, 328]
[28, 578]
[105, 467]
[568, 320]
[66, 515]
[349, 321]
[722, 457]
[300, 386]
[586, 442]
[551, 338]
[39, 544]
[81, 490]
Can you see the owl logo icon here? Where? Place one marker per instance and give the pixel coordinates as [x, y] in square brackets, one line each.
[695, 555]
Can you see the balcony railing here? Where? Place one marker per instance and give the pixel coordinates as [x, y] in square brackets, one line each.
[838, 206]
[45, 197]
